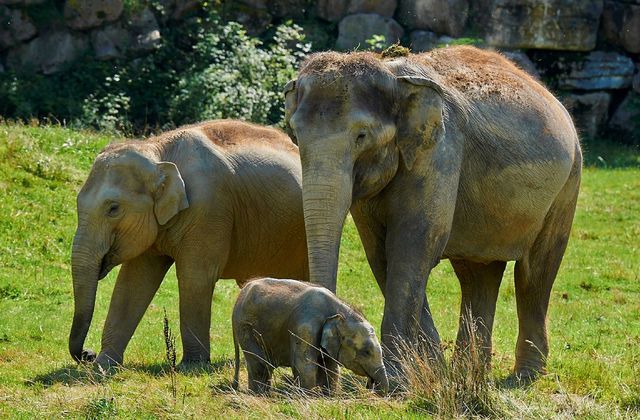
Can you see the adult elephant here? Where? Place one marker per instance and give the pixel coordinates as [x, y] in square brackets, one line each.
[221, 199]
[454, 154]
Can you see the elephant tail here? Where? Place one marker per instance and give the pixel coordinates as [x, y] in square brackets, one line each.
[237, 370]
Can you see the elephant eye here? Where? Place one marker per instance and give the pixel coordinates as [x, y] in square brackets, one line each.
[361, 137]
[113, 210]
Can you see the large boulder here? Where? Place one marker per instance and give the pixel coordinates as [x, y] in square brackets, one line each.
[88, 14]
[290, 8]
[254, 17]
[523, 61]
[177, 9]
[21, 2]
[334, 10]
[48, 53]
[421, 41]
[355, 30]
[16, 27]
[625, 122]
[441, 16]
[597, 70]
[549, 24]
[589, 111]
[621, 24]
[110, 42]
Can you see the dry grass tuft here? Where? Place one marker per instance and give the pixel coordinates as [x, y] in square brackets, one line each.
[461, 387]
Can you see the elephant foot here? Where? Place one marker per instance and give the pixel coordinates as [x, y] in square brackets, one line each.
[522, 378]
[194, 365]
[87, 356]
[107, 364]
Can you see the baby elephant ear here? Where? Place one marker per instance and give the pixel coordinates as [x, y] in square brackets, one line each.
[330, 341]
[420, 120]
[170, 194]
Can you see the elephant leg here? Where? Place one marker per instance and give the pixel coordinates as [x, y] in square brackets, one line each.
[196, 283]
[328, 375]
[373, 236]
[479, 284]
[534, 277]
[259, 369]
[410, 260]
[137, 283]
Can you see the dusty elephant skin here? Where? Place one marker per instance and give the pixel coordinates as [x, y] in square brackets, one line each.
[221, 199]
[454, 154]
[289, 323]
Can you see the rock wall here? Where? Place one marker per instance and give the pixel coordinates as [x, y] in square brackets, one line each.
[586, 51]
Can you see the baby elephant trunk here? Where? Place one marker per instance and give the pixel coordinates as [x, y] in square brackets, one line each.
[378, 380]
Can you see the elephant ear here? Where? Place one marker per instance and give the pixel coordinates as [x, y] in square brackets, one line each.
[420, 117]
[331, 338]
[290, 105]
[170, 194]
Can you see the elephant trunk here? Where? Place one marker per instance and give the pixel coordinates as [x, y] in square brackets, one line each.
[326, 196]
[85, 270]
[378, 379]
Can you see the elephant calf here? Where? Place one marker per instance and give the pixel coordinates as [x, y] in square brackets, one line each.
[221, 199]
[306, 327]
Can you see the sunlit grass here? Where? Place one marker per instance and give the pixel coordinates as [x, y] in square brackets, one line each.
[594, 313]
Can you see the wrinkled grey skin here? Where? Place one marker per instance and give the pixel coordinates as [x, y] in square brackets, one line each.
[453, 154]
[220, 199]
[289, 323]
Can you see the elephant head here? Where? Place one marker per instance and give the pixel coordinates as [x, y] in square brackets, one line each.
[355, 117]
[353, 343]
[128, 195]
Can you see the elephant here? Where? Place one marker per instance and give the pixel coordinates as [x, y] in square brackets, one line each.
[220, 199]
[279, 322]
[451, 154]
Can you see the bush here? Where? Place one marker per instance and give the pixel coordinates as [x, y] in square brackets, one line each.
[203, 69]
[232, 77]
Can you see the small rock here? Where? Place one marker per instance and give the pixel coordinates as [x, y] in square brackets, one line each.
[145, 31]
[598, 70]
[48, 53]
[621, 24]
[523, 61]
[441, 16]
[87, 14]
[355, 30]
[549, 24]
[625, 122]
[110, 42]
[589, 111]
[334, 10]
[16, 27]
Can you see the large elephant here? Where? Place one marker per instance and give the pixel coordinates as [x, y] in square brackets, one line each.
[221, 199]
[453, 154]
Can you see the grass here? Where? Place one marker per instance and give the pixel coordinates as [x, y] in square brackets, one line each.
[594, 359]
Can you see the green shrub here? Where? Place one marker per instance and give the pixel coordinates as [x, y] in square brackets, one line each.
[233, 76]
[203, 69]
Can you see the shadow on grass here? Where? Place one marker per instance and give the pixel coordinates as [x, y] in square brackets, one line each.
[606, 154]
[88, 374]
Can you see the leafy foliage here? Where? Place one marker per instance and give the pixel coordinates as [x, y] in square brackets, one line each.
[204, 68]
[233, 77]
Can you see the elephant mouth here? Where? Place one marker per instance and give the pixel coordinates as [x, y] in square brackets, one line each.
[106, 265]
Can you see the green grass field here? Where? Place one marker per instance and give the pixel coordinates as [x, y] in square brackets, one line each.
[594, 317]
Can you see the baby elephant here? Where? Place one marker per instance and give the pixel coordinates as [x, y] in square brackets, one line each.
[306, 327]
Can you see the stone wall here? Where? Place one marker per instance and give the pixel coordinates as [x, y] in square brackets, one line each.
[586, 51]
